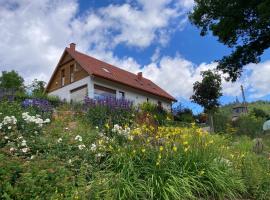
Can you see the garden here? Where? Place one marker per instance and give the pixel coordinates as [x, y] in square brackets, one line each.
[111, 149]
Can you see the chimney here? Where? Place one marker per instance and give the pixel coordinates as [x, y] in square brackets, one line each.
[139, 75]
[72, 46]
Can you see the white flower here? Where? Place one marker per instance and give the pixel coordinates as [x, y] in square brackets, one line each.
[25, 150]
[78, 137]
[101, 134]
[59, 140]
[32, 157]
[69, 161]
[93, 147]
[12, 149]
[81, 146]
[24, 143]
[35, 132]
[9, 127]
[66, 128]
[47, 120]
[99, 155]
[96, 127]
[6, 137]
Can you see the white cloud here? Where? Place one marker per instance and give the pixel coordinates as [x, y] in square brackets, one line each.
[34, 33]
[258, 81]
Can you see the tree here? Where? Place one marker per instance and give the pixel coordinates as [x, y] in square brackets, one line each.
[207, 93]
[241, 25]
[37, 87]
[11, 80]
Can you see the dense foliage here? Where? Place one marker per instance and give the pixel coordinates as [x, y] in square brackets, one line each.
[109, 111]
[66, 158]
[241, 25]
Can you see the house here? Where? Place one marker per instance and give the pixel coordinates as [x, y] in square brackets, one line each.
[78, 75]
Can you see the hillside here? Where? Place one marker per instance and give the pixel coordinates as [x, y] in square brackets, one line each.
[263, 105]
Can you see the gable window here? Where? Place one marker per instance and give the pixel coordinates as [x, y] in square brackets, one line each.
[159, 104]
[62, 77]
[75, 67]
[71, 73]
[122, 94]
[101, 92]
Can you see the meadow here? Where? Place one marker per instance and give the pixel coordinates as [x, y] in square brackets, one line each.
[117, 151]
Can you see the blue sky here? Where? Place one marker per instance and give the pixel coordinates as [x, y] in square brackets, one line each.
[154, 37]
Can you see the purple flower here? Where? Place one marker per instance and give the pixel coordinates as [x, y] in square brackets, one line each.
[42, 105]
[111, 102]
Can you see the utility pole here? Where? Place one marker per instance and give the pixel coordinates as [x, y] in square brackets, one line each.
[244, 98]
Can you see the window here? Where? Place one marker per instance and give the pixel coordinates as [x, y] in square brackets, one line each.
[76, 67]
[101, 92]
[71, 73]
[159, 104]
[106, 70]
[62, 77]
[122, 94]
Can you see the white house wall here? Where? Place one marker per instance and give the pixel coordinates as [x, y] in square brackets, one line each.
[134, 95]
[64, 92]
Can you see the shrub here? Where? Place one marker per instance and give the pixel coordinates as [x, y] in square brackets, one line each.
[183, 114]
[158, 113]
[259, 113]
[221, 122]
[249, 125]
[109, 110]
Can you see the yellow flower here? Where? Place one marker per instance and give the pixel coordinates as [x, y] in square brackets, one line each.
[201, 172]
[161, 148]
[107, 126]
[174, 148]
[157, 163]
[186, 149]
[143, 150]
[159, 156]
[211, 141]
[185, 143]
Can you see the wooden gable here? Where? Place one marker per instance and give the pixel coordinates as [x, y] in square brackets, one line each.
[64, 67]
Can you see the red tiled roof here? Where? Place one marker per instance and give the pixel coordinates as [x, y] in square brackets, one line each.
[104, 70]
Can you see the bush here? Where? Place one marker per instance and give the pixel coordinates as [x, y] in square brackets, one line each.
[183, 114]
[158, 113]
[221, 122]
[109, 111]
[259, 113]
[249, 125]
